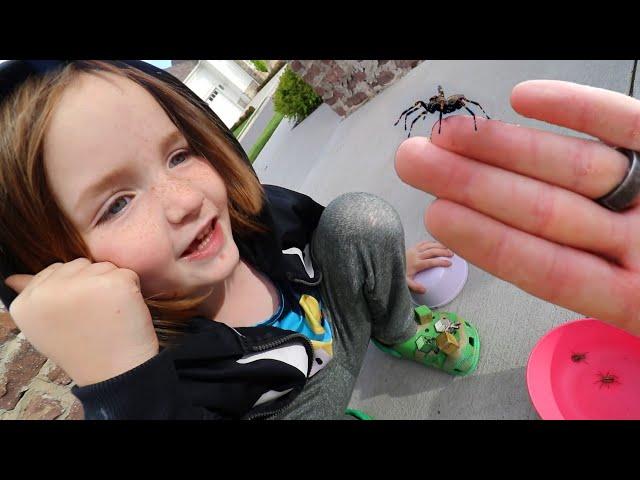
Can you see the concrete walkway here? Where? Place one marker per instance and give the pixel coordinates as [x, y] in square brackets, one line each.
[325, 156]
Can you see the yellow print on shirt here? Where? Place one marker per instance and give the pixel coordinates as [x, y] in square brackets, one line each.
[312, 313]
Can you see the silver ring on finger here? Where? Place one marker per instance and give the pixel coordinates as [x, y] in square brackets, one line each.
[628, 189]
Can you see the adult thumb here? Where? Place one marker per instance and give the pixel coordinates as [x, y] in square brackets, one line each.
[18, 282]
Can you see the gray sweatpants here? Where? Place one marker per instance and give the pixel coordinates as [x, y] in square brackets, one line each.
[359, 247]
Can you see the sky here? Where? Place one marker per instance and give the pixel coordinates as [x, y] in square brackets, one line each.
[159, 63]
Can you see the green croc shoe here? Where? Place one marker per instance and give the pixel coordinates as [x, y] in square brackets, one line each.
[358, 414]
[443, 341]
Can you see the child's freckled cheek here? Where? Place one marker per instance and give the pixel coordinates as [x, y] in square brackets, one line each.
[141, 247]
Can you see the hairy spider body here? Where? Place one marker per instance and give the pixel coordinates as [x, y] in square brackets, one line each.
[579, 357]
[607, 379]
[439, 103]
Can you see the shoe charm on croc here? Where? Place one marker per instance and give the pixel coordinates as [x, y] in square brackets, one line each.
[443, 340]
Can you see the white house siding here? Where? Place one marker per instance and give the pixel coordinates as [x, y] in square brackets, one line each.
[229, 80]
[228, 111]
[200, 81]
[233, 80]
[233, 72]
[203, 81]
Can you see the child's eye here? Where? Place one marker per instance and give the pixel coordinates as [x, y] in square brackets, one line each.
[178, 158]
[115, 208]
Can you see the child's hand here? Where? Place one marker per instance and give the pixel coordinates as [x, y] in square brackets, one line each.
[519, 202]
[89, 318]
[422, 256]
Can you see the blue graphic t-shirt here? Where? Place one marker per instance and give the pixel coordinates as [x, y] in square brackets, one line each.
[308, 319]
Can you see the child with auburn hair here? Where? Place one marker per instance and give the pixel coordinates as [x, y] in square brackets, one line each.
[155, 269]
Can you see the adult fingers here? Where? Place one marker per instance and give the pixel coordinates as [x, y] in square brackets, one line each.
[611, 116]
[562, 275]
[521, 202]
[586, 167]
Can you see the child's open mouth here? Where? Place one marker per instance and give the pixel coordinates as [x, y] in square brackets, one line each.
[206, 244]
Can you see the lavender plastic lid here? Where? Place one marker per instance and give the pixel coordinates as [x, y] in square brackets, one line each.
[443, 284]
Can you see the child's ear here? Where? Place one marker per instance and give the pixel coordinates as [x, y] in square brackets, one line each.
[18, 282]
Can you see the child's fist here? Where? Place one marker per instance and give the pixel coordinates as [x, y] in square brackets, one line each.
[88, 318]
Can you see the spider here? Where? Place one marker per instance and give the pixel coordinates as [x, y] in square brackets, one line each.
[440, 104]
[607, 379]
[579, 357]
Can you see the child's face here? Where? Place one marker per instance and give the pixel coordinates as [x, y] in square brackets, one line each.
[148, 214]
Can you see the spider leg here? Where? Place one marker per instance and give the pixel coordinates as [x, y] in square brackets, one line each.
[476, 103]
[440, 123]
[474, 118]
[405, 118]
[415, 120]
[407, 112]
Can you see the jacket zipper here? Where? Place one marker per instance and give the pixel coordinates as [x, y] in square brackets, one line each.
[275, 343]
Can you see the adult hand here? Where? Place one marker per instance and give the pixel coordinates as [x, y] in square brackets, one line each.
[519, 202]
[90, 319]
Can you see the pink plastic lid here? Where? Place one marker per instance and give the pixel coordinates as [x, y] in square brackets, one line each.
[585, 370]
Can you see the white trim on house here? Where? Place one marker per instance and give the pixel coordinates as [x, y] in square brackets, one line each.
[228, 81]
[190, 75]
[234, 87]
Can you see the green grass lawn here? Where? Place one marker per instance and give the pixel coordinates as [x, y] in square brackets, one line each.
[264, 136]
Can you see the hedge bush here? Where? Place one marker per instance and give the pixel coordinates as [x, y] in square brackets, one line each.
[260, 65]
[294, 98]
[275, 70]
[247, 113]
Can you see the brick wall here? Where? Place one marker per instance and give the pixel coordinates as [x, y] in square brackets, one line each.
[31, 386]
[346, 85]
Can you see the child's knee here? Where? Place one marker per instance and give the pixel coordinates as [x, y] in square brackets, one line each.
[361, 215]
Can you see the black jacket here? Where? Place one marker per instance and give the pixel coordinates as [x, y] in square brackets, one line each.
[206, 376]
[202, 378]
